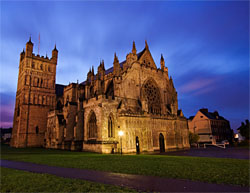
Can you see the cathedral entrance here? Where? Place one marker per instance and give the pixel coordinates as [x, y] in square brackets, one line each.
[161, 142]
[137, 144]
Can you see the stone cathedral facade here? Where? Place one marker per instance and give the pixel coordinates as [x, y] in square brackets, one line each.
[133, 96]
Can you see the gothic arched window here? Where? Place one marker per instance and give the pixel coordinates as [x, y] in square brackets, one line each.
[110, 90]
[110, 127]
[152, 96]
[91, 91]
[92, 126]
[59, 106]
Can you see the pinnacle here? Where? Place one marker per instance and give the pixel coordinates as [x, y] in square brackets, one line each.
[146, 44]
[55, 48]
[162, 57]
[134, 48]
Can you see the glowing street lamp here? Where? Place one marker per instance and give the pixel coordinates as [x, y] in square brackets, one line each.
[120, 133]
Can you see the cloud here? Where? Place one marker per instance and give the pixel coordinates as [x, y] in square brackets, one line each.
[205, 44]
[7, 105]
[198, 86]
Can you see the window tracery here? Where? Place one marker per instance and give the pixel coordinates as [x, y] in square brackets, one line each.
[92, 126]
[152, 96]
[110, 127]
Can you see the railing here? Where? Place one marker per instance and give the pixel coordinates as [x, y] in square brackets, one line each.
[216, 145]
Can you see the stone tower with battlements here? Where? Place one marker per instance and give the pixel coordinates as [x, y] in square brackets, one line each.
[35, 96]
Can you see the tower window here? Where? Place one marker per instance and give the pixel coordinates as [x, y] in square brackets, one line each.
[18, 110]
[37, 130]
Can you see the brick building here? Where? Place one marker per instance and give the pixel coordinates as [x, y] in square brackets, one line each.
[133, 96]
[211, 127]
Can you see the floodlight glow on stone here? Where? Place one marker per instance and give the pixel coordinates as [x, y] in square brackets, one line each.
[120, 133]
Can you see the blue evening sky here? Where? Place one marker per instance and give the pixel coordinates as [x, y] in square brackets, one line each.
[205, 45]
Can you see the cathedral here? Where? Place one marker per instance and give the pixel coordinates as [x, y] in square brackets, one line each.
[131, 107]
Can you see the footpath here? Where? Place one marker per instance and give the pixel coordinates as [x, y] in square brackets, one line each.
[137, 182]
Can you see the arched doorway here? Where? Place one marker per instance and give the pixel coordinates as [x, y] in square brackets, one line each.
[161, 143]
[137, 144]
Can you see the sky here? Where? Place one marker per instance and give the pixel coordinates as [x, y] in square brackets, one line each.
[205, 45]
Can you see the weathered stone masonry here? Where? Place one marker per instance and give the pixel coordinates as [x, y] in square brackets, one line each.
[133, 96]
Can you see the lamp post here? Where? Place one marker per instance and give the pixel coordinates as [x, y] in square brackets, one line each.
[120, 133]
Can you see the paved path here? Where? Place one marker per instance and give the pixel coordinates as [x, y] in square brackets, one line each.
[138, 182]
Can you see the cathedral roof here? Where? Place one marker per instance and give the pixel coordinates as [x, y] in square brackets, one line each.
[121, 64]
[110, 70]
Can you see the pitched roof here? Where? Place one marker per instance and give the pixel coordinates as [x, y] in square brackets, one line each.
[110, 70]
[215, 115]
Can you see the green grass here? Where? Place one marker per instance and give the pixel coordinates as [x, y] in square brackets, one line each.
[22, 181]
[213, 170]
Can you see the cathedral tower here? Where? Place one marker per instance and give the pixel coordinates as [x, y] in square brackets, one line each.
[35, 96]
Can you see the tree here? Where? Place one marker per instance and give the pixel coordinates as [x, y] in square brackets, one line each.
[244, 129]
[193, 138]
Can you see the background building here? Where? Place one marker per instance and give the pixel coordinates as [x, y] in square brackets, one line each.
[5, 135]
[211, 127]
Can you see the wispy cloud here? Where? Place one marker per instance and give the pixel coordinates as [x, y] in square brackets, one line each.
[204, 51]
[199, 86]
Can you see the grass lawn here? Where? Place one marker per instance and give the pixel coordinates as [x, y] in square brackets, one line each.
[22, 181]
[214, 170]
